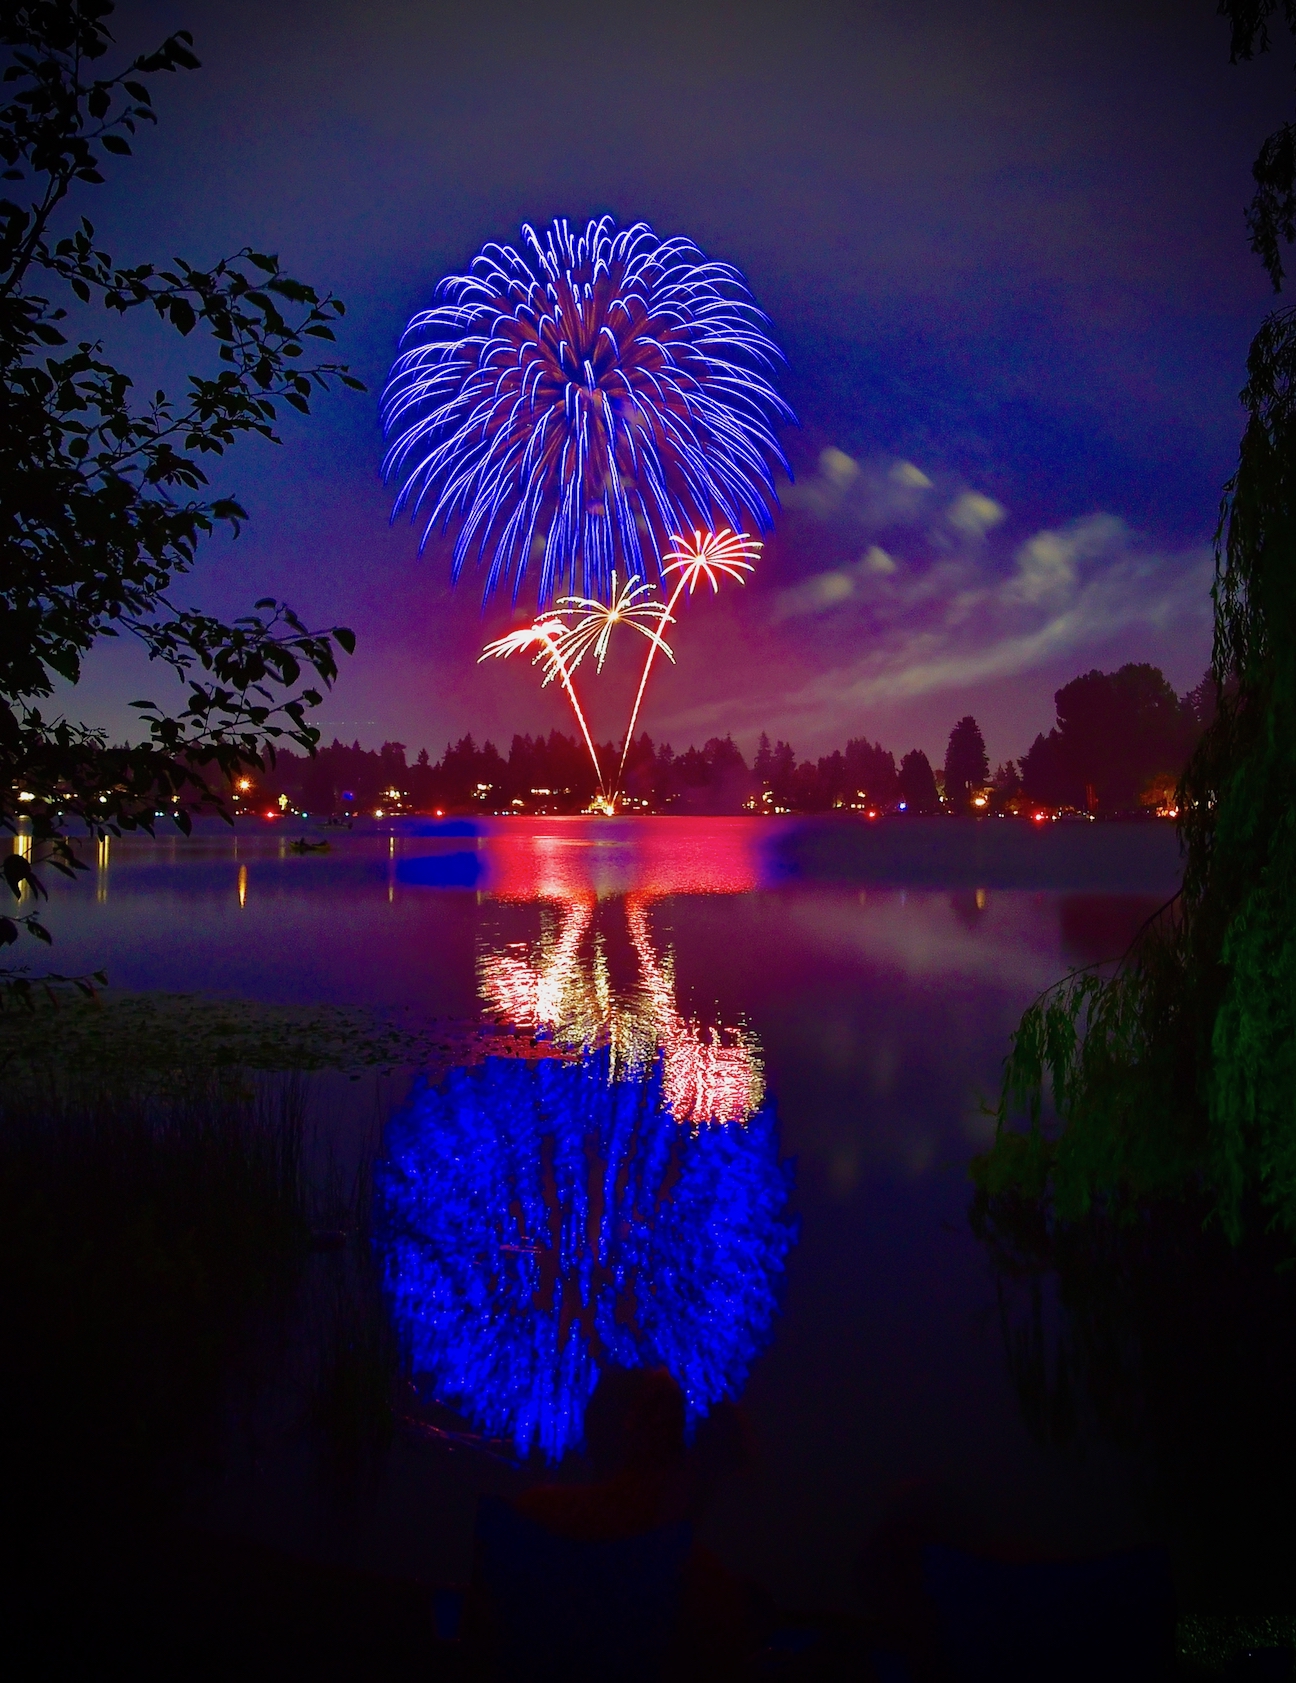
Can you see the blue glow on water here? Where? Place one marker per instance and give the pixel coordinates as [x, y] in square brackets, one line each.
[540, 1220]
[442, 870]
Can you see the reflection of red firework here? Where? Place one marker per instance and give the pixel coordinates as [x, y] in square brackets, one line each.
[562, 984]
[547, 859]
[534, 993]
[709, 1074]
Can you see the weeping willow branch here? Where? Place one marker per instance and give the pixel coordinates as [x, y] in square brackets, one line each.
[1179, 1066]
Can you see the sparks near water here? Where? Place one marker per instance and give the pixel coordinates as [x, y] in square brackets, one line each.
[560, 647]
[580, 401]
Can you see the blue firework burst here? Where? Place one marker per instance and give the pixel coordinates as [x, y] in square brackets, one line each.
[583, 399]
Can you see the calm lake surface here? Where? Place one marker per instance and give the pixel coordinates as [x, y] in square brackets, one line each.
[842, 991]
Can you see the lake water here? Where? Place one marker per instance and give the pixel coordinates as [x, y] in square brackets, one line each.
[806, 1019]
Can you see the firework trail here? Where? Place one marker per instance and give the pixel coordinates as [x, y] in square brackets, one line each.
[708, 556]
[586, 396]
[544, 639]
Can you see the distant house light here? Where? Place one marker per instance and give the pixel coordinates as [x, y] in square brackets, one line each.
[903, 807]
[27, 795]
[542, 791]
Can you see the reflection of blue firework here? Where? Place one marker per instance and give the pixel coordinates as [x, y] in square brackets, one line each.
[543, 1219]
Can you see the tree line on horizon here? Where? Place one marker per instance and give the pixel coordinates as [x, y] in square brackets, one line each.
[1119, 744]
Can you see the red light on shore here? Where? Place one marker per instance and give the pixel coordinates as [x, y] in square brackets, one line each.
[271, 813]
[1040, 817]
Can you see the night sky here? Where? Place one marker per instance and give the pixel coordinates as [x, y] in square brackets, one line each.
[1001, 246]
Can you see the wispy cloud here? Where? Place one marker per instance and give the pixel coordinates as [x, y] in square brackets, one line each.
[974, 514]
[964, 621]
[869, 496]
[871, 499]
[887, 633]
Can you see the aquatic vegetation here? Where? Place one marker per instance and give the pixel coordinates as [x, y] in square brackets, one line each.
[146, 1039]
[541, 1220]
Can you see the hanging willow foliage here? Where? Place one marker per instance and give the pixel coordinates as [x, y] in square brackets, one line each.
[1180, 1068]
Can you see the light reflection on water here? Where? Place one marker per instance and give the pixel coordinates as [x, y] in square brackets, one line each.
[620, 1203]
[561, 984]
[871, 996]
[541, 1220]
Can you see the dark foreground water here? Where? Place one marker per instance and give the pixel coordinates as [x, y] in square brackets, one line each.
[757, 1173]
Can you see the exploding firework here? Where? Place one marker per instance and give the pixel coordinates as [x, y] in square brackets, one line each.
[709, 556]
[584, 398]
[595, 621]
[543, 641]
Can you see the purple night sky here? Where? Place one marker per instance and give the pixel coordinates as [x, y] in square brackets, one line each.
[1002, 247]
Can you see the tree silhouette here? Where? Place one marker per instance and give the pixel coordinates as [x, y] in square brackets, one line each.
[918, 783]
[1115, 733]
[966, 765]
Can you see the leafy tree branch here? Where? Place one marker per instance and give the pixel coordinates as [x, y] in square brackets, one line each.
[104, 493]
